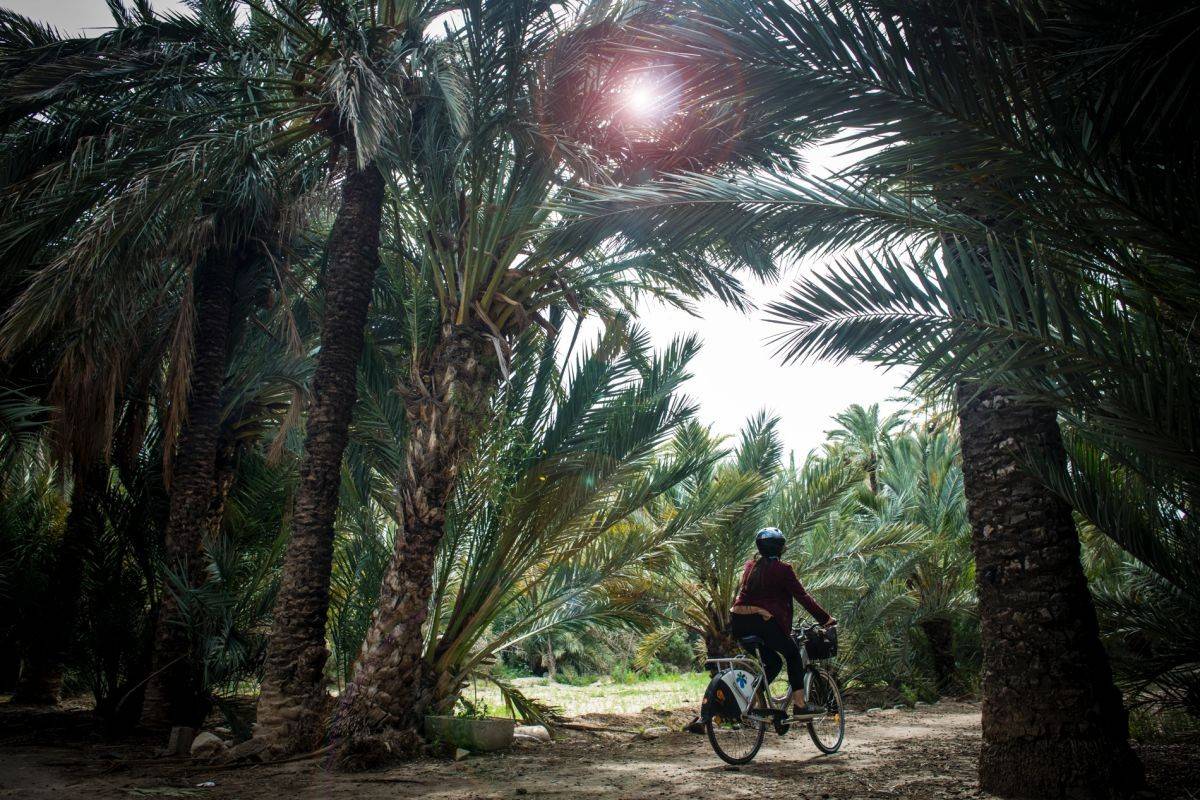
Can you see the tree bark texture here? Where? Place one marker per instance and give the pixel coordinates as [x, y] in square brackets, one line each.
[49, 640]
[293, 705]
[381, 711]
[1053, 722]
[551, 662]
[173, 696]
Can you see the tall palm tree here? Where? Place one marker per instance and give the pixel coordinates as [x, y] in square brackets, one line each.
[174, 191]
[541, 110]
[347, 80]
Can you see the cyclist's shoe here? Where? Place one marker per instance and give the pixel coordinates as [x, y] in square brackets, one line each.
[695, 726]
[808, 710]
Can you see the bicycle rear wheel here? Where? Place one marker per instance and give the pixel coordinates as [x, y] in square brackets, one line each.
[827, 730]
[735, 741]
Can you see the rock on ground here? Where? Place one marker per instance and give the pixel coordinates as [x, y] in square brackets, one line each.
[207, 744]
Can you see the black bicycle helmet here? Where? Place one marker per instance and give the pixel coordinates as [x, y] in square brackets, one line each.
[770, 542]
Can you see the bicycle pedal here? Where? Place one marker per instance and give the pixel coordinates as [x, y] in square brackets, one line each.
[767, 714]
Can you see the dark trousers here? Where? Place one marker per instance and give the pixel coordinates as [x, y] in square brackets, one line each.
[777, 644]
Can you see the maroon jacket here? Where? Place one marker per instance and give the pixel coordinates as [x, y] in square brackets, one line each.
[779, 586]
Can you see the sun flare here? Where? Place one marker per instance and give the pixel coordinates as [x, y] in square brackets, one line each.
[642, 99]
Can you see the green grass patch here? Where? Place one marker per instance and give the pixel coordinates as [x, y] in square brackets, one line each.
[607, 696]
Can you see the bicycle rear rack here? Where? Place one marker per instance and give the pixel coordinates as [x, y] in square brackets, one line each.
[734, 662]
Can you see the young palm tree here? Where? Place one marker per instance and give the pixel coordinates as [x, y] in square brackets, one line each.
[548, 532]
[728, 503]
[739, 496]
[922, 475]
[852, 549]
[45, 541]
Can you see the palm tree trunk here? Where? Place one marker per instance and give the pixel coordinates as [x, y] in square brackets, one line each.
[1053, 723]
[551, 664]
[45, 651]
[381, 711]
[718, 637]
[940, 633]
[172, 694]
[293, 704]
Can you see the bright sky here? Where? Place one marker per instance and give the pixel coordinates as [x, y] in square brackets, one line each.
[736, 373]
[69, 16]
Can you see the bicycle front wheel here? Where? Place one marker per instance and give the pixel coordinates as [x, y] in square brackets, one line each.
[736, 741]
[827, 730]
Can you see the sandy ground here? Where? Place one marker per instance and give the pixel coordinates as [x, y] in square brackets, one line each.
[928, 752]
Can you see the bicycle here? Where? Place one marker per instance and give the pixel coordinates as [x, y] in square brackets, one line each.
[738, 704]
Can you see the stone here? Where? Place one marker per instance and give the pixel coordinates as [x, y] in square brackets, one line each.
[251, 748]
[180, 743]
[536, 732]
[206, 744]
[654, 732]
[460, 754]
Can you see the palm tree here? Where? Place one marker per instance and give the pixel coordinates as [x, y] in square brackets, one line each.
[863, 435]
[548, 531]
[852, 549]
[140, 198]
[539, 111]
[1018, 238]
[727, 503]
[923, 479]
[350, 77]
[35, 519]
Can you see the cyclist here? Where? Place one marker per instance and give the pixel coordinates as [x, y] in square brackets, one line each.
[763, 608]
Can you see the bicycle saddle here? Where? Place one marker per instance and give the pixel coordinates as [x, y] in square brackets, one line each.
[751, 643]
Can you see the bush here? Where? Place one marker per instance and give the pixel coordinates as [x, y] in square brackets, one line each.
[506, 670]
[1150, 724]
[677, 653]
[571, 677]
[621, 673]
[477, 709]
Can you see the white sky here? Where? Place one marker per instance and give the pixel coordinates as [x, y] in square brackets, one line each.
[69, 16]
[734, 375]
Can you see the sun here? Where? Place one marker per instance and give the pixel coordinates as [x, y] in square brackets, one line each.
[642, 99]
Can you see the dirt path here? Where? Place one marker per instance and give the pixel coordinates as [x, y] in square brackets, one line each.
[927, 752]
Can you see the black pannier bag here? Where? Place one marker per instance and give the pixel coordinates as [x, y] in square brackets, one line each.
[821, 644]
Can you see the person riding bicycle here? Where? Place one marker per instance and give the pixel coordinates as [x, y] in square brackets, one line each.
[763, 608]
